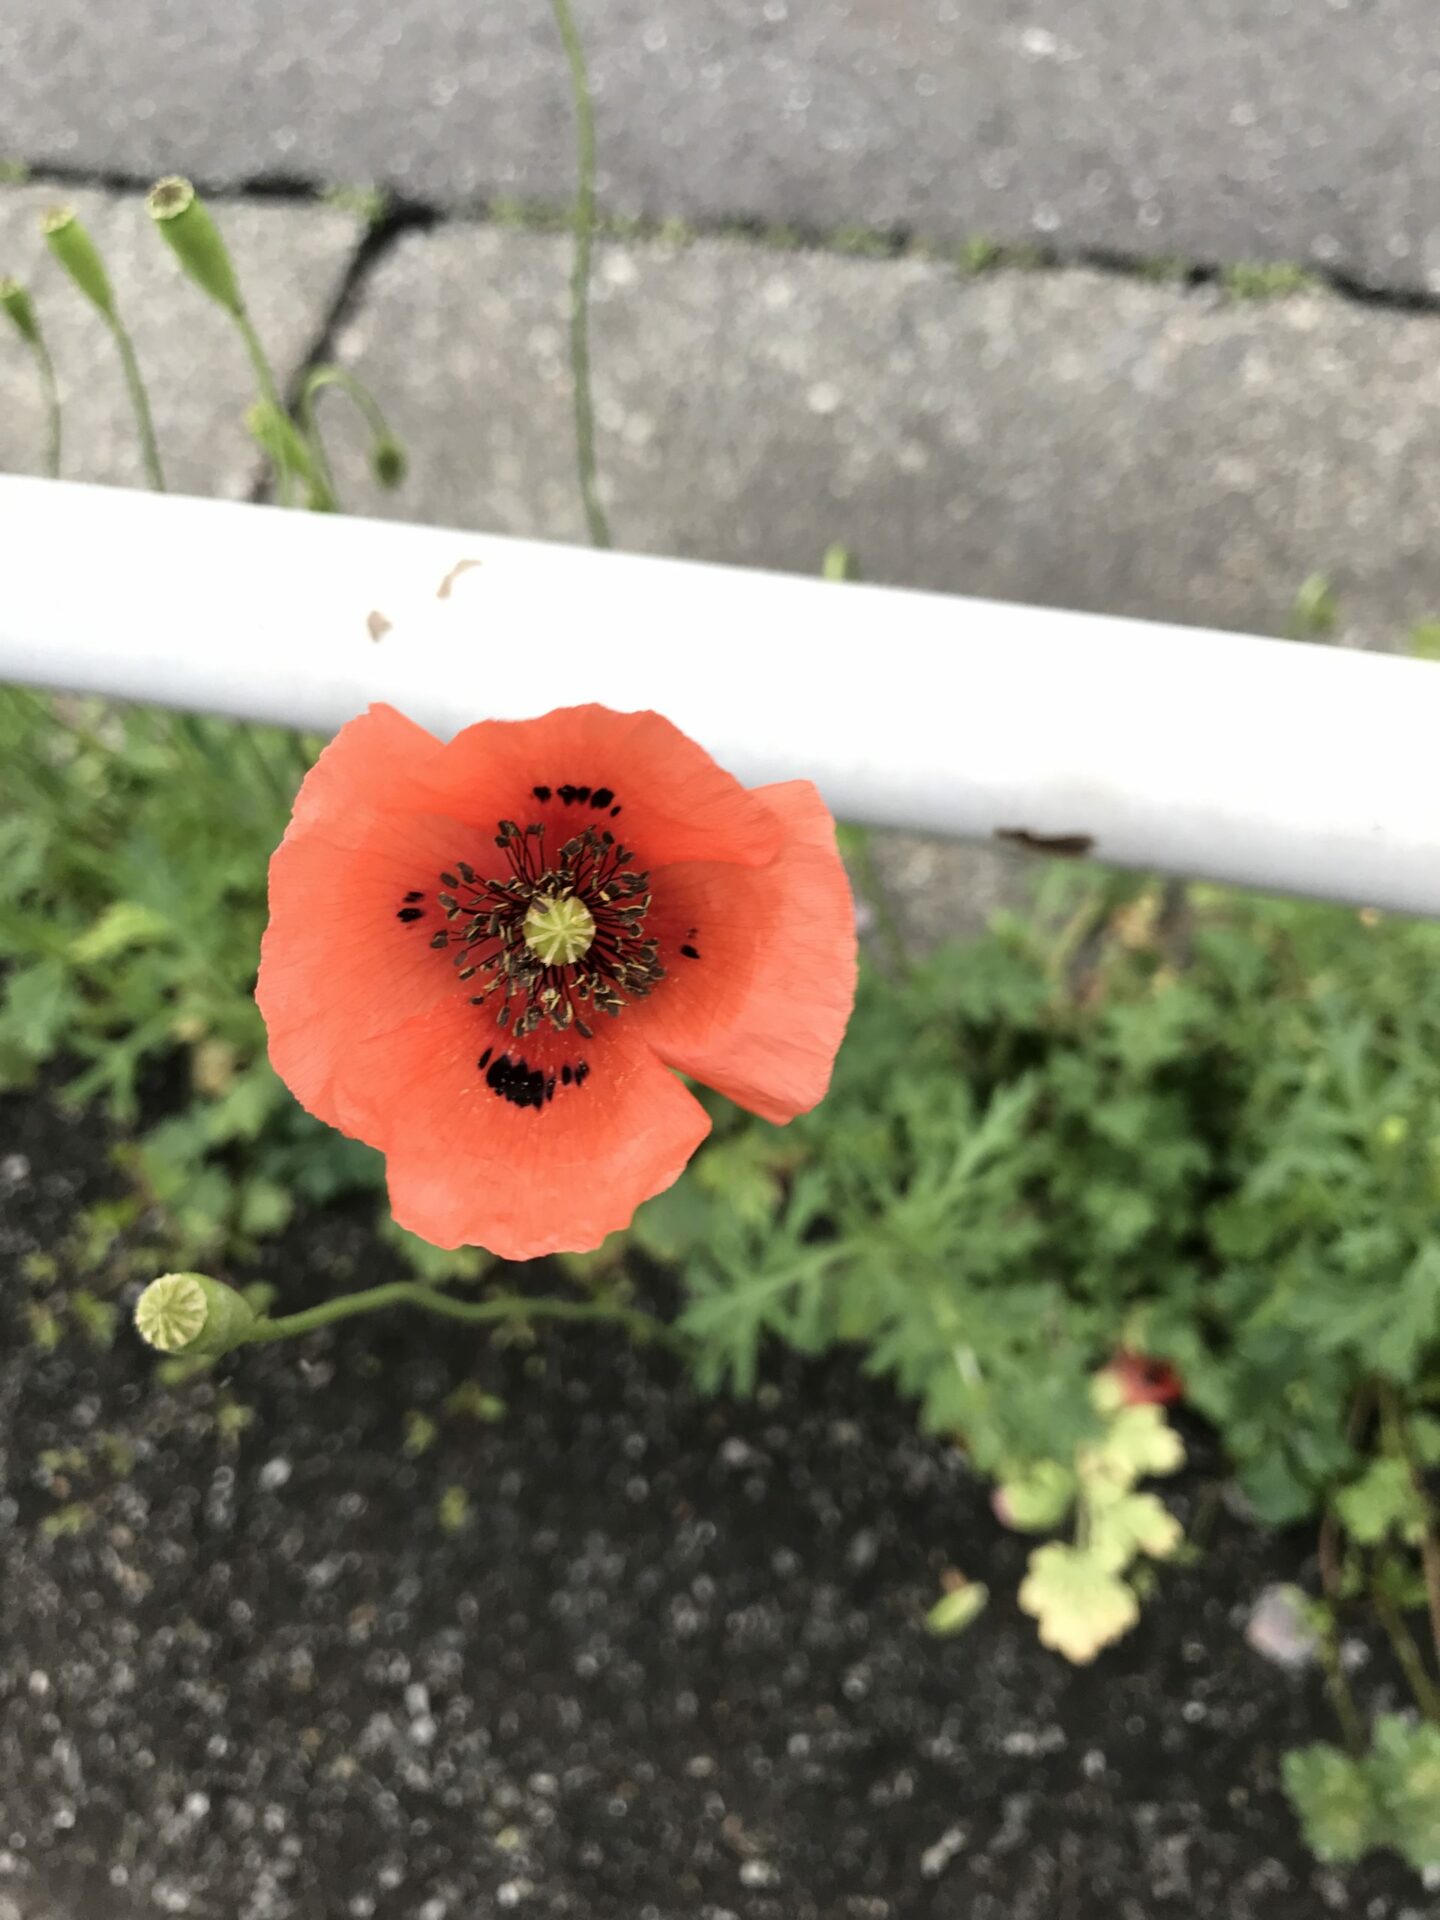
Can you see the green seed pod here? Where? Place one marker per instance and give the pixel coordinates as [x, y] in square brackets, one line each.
[21, 309]
[186, 227]
[79, 256]
[192, 1315]
[388, 462]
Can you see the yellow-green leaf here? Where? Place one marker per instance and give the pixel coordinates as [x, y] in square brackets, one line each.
[1137, 1441]
[1079, 1605]
[1129, 1523]
[123, 924]
[1038, 1499]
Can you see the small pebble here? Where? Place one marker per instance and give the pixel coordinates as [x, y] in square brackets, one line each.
[1279, 1632]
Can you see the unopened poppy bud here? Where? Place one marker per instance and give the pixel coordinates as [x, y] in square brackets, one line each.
[193, 237]
[77, 253]
[388, 462]
[21, 309]
[190, 1314]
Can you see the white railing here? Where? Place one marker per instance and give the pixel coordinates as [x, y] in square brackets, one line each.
[1266, 763]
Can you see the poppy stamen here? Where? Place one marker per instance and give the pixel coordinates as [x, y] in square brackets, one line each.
[555, 936]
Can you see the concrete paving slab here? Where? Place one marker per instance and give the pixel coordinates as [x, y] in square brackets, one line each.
[1072, 439]
[1216, 132]
[291, 263]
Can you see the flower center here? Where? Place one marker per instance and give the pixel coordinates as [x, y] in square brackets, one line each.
[558, 931]
[558, 935]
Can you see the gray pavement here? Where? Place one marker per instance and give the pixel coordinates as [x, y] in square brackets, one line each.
[292, 265]
[1210, 129]
[1069, 438]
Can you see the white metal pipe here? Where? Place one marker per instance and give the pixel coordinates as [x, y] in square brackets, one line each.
[1266, 763]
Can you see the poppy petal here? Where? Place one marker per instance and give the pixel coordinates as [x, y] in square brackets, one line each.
[353, 904]
[546, 1147]
[760, 965]
[632, 774]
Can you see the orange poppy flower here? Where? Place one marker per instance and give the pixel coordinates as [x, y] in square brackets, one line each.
[484, 957]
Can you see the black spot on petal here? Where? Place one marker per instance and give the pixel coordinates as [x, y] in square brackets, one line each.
[690, 952]
[411, 913]
[541, 793]
[602, 797]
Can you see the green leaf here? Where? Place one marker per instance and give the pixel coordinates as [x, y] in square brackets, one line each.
[124, 924]
[1129, 1523]
[1382, 1504]
[1078, 1602]
[1038, 1499]
[1137, 1441]
[1337, 1807]
[265, 1206]
[40, 1003]
[1404, 1769]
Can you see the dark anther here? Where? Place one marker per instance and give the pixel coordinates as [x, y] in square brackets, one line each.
[689, 952]
[550, 1088]
[412, 897]
[440, 939]
[489, 936]
[602, 797]
[582, 1073]
[449, 880]
[410, 913]
[541, 793]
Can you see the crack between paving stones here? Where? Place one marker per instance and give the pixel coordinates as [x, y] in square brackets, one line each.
[375, 243]
[404, 214]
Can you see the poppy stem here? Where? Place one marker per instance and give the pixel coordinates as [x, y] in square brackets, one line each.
[595, 520]
[51, 389]
[140, 405]
[505, 1306]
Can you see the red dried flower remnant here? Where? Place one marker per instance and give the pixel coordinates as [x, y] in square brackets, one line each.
[1145, 1381]
[483, 958]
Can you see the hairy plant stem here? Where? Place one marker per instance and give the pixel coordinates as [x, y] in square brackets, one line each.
[1337, 1685]
[140, 403]
[507, 1306]
[50, 387]
[1402, 1642]
[270, 394]
[580, 275]
[1393, 1412]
